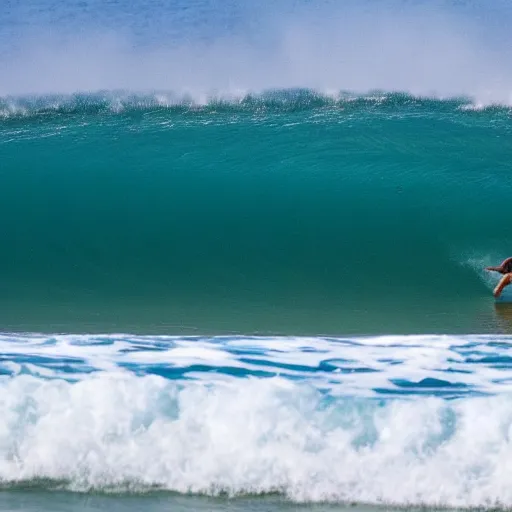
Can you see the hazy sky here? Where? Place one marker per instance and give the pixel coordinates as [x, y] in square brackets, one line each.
[435, 47]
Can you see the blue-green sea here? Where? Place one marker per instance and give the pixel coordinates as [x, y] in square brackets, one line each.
[242, 255]
[285, 212]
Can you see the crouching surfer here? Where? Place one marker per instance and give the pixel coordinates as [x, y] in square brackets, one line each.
[506, 269]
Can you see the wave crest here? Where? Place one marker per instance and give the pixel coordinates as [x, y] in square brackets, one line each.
[272, 101]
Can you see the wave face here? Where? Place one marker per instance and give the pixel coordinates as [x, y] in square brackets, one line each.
[285, 212]
[378, 420]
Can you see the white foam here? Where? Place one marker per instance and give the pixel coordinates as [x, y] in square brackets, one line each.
[253, 436]
[352, 366]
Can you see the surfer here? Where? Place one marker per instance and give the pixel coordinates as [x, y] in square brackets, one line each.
[506, 269]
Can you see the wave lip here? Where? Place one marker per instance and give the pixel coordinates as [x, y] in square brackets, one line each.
[272, 100]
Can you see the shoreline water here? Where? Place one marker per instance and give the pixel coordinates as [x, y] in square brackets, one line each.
[34, 501]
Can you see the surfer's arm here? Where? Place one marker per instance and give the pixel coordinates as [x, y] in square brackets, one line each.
[501, 268]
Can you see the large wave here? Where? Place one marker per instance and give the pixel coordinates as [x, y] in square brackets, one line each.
[269, 213]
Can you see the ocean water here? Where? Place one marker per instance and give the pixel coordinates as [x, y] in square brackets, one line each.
[286, 212]
[242, 255]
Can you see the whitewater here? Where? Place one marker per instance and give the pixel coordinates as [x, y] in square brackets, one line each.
[393, 420]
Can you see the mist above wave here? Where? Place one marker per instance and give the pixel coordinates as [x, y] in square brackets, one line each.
[422, 50]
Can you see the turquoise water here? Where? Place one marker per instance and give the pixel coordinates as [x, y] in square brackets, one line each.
[242, 255]
[287, 212]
